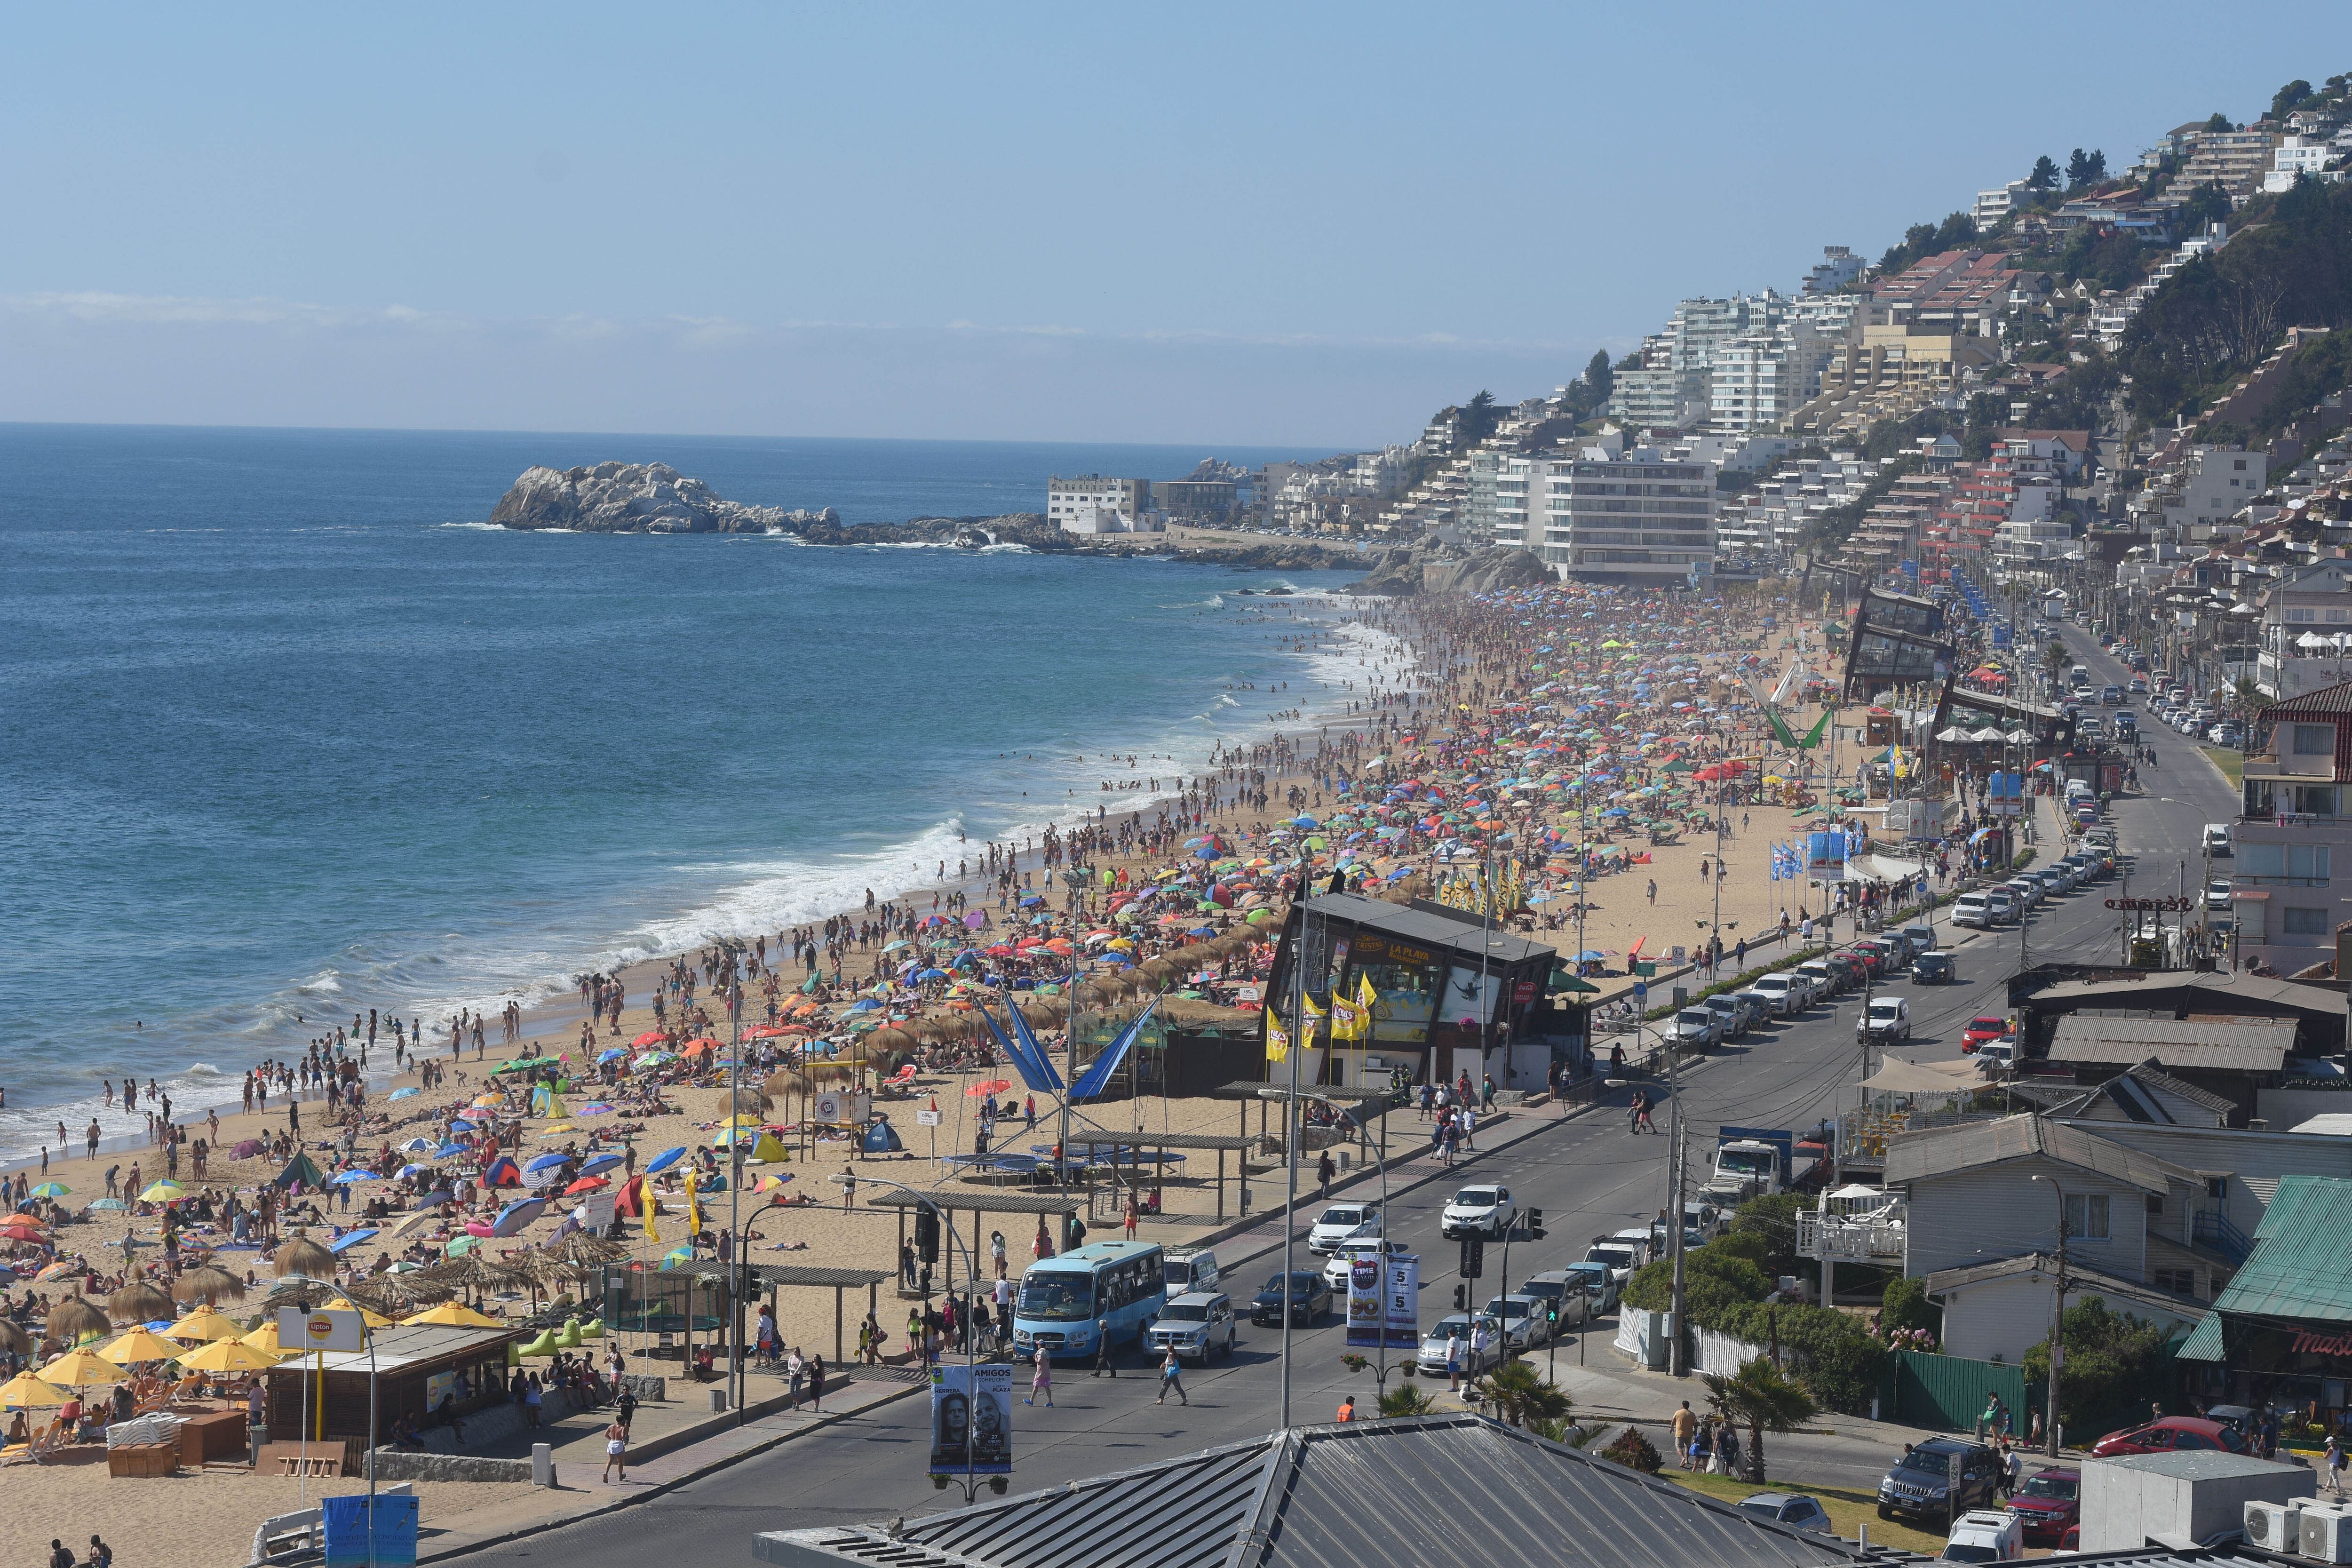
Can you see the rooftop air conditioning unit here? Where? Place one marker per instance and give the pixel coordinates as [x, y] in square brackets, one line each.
[2275, 1526]
[2325, 1537]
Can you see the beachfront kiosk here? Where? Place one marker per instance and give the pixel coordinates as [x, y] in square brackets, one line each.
[1422, 986]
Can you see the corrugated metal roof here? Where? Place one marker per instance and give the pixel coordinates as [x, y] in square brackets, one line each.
[1328, 1497]
[2253, 1044]
[2192, 990]
[2204, 1341]
[1940, 1151]
[2300, 1266]
[1423, 923]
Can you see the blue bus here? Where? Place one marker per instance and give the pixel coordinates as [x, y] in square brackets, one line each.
[1121, 1285]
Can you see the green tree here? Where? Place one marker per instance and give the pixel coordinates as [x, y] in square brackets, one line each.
[1479, 417]
[2085, 169]
[2290, 98]
[1906, 1306]
[1600, 376]
[2055, 658]
[2112, 1362]
[2220, 122]
[2044, 176]
[1760, 1397]
[1520, 1396]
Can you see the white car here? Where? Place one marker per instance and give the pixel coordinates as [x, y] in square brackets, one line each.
[1522, 1318]
[1343, 1259]
[1985, 1535]
[1198, 1325]
[1887, 1022]
[1970, 909]
[1479, 1211]
[1620, 1259]
[1456, 1326]
[1780, 993]
[1338, 1222]
[2217, 894]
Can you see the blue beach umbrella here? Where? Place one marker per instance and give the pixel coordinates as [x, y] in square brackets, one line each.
[547, 1161]
[405, 1093]
[664, 1161]
[413, 1170]
[353, 1178]
[449, 1151]
[599, 1162]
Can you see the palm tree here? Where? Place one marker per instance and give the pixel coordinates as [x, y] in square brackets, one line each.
[2055, 658]
[1519, 1394]
[1762, 1398]
[1406, 1399]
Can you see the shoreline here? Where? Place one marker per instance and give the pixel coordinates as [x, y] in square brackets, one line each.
[553, 1018]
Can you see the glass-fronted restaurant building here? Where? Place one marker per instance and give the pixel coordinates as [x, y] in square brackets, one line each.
[1440, 993]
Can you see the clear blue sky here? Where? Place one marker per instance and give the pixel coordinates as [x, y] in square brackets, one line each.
[1184, 223]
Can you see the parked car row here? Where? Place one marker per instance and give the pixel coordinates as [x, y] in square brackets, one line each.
[2008, 902]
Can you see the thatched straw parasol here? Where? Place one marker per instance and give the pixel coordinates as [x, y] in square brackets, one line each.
[139, 1302]
[74, 1319]
[297, 1254]
[15, 1341]
[398, 1295]
[748, 1099]
[473, 1272]
[209, 1283]
[298, 1290]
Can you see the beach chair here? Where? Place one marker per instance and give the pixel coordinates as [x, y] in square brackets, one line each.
[45, 1443]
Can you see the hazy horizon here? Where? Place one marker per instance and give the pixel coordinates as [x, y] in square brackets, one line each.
[1047, 224]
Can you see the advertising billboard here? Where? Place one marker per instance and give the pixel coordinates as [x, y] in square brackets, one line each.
[971, 1419]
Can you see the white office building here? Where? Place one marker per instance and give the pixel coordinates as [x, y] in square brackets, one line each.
[1635, 517]
[1090, 503]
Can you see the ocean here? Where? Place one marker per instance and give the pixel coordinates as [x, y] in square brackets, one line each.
[290, 733]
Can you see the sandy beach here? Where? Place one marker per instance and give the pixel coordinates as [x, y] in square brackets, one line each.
[1473, 694]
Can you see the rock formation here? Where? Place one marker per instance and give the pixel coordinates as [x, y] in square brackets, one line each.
[1431, 569]
[638, 498]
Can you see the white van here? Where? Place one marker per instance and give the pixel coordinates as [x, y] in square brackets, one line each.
[1970, 909]
[2217, 838]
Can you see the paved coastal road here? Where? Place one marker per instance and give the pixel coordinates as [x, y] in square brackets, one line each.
[1586, 1174]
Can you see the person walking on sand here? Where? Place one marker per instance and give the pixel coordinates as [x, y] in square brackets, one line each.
[1042, 1382]
[1171, 1376]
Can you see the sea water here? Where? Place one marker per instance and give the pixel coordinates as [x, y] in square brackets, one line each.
[289, 735]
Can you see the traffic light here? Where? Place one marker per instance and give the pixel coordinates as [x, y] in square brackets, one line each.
[1462, 1298]
[1551, 1310]
[1474, 1258]
[1535, 1225]
[927, 1235]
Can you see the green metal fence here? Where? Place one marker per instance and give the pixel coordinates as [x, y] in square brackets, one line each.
[1949, 1392]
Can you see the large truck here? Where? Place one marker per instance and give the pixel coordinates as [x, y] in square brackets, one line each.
[1750, 1162]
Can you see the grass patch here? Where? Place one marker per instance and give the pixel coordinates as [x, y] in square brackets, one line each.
[1849, 1509]
[2231, 763]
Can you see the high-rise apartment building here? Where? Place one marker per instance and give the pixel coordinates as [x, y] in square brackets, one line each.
[1635, 517]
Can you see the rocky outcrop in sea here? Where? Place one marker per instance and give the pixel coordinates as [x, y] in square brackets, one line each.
[636, 498]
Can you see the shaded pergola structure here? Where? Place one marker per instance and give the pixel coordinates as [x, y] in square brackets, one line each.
[777, 1276]
[1196, 1143]
[1362, 1106]
[981, 1201]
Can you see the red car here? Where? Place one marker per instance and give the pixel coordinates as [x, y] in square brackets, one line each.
[2048, 1503]
[1979, 1030]
[2172, 1435]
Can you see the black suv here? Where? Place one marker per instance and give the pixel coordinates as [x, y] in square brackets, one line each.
[1919, 1486]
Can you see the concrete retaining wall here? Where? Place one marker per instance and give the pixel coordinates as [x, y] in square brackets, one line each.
[408, 1465]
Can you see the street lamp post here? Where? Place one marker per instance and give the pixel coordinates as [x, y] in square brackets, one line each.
[1380, 1378]
[970, 1482]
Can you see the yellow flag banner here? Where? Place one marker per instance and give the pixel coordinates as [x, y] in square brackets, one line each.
[1277, 1043]
[693, 1210]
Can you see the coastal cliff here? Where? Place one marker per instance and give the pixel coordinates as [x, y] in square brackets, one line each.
[1425, 570]
[653, 497]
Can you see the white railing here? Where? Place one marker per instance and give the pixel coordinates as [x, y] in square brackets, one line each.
[1881, 1236]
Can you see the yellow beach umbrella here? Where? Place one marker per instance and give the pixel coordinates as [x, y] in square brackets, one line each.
[81, 1369]
[228, 1356]
[139, 1344]
[373, 1319]
[454, 1315]
[25, 1392]
[206, 1323]
[162, 1192]
[264, 1338]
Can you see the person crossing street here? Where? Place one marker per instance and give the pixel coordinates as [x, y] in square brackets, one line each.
[1171, 1377]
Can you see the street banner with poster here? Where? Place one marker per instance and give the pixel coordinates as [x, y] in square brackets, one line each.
[977, 1400]
[1403, 1298]
[1367, 1305]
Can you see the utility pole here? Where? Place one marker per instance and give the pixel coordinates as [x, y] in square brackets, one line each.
[1678, 1362]
[737, 1264]
[2057, 1329]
